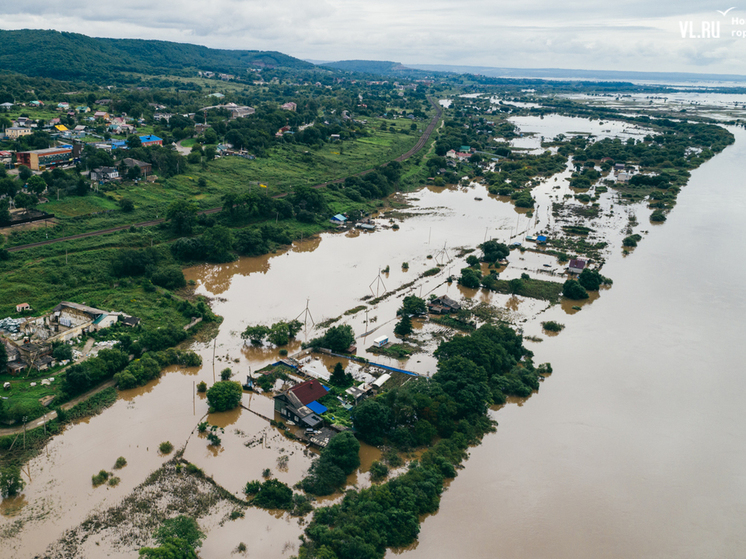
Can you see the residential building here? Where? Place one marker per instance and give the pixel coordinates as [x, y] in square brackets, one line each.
[151, 140]
[299, 404]
[41, 159]
[576, 266]
[290, 106]
[104, 174]
[145, 168]
[15, 132]
[21, 307]
[443, 305]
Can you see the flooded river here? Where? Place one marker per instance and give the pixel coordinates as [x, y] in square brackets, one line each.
[635, 447]
[632, 447]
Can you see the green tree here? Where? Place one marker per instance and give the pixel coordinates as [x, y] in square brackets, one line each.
[24, 173]
[4, 211]
[338, 377]
[182, 214]
[255, 334]
[403, 328]
[573, 290]
[470, 278]
[592, 279]
[224, 395]
[26, 201]
[225, 374]
[337, 338]
[413, 305]
[36, 184]
[372, 420]
[274, 494]
[218, 243]
[133, 141]
[494, 251]
[11, 483]
[127, 205]
[62, 352]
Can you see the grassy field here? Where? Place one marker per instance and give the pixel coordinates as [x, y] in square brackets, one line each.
[536, 289]
[287, 166]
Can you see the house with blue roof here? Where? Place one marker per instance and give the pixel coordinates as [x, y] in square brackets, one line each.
[151, 140]
[338, 219]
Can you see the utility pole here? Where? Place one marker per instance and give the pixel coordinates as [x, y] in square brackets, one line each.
[25, 417]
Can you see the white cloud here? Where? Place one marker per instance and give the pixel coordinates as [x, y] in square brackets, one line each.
[636, 35]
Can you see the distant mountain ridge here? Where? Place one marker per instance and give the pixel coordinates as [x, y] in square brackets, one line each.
[397, 68]
[575, 74]
[367, 66]
[69, 56]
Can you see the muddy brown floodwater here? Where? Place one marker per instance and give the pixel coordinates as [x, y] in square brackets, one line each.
[635, 446]
[632, 448]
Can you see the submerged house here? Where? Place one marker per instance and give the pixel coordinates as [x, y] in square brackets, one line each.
[443, 305]
[299, 404]
[576, 266]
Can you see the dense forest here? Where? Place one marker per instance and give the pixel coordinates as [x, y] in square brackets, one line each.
[53, 54]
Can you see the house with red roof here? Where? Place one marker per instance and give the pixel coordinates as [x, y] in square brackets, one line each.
[299, 404]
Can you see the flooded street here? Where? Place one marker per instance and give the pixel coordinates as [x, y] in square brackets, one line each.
[634, 447]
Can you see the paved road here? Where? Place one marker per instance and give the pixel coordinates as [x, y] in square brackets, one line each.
[416, 149]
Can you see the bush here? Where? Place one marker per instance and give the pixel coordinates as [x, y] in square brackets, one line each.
[573, 290]
[470, 278]
[552, 326]
[657, 216]
[337, 339]
[100, 478]
[63, 352]
[170, 277]
[631, 241]
[337, 460]
[224, 395]
[274, 494]
[592, 280]
[166, 447]
[378, 471]
[252, 487]
[202, 387]
[120, 463]
[225, 374]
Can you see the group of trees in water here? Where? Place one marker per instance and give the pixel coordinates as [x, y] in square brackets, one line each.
[474, 372]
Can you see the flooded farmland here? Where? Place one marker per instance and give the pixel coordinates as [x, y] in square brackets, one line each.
[631, 448]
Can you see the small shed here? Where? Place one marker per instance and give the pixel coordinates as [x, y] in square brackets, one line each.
[380, 381]
[381, 341]
[541, 239]
[338, 219]
[23, 307]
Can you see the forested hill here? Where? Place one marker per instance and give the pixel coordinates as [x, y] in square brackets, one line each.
[367, 66]
[54, 54]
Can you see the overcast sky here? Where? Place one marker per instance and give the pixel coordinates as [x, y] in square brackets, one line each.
[610, 35]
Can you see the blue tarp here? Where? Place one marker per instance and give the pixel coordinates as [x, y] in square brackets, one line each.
[316, 408]
[541, 239]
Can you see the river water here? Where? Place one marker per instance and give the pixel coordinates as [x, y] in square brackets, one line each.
[631, 448]
[635, 447]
